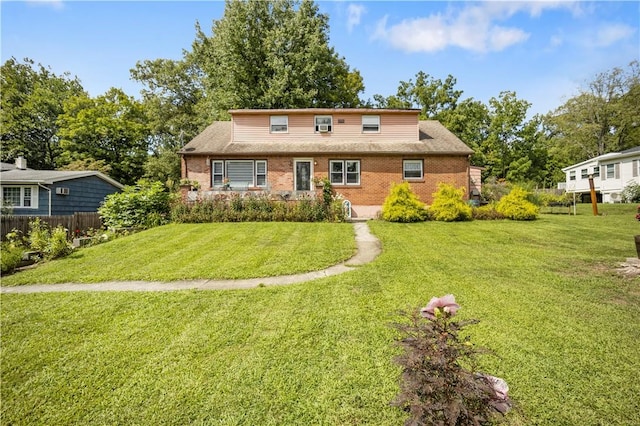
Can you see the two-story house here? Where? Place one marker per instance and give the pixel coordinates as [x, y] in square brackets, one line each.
[361, 151]
[611, 173]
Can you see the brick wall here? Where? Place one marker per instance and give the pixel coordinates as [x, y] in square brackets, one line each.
[377, 173]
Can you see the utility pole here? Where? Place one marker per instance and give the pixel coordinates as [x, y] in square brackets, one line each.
[594, 200]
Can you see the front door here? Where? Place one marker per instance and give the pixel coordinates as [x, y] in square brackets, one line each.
[303, 174]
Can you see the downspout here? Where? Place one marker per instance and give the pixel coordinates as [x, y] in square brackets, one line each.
[48, 189]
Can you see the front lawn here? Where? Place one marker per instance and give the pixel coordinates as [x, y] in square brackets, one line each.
[563, 325]
[193, 251]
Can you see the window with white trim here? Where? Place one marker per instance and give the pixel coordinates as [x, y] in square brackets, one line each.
[279, 124]
[635, 168]
[239, 174]
[370, 124]
[584, 174]
[20, 196]
[572, 175]
[412, 169]
[217, 173]
[344, 172]
[596, 171]
[611, 171]
[323, 123]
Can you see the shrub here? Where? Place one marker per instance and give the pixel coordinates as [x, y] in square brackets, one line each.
[439, 383]
[494, 190]
[544, 198]
[631, 193]
[448, 205]
[38, 236]
[402, 205]
[11, 256]
[515, 205]
[58, 244]
[142, 206]
[486, 212]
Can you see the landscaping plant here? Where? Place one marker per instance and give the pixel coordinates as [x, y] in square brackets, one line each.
[402, 205]
[516, 206]
[142, 206]
[439, 384]
[448, 205]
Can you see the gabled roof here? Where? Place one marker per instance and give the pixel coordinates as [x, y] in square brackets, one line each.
[49, 177]
[434, 138]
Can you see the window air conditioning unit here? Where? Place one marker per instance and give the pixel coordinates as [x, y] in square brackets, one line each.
[323, 128]
[62, 191]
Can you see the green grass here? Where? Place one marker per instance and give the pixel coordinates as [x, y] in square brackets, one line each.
[563, 325]
[193, 251]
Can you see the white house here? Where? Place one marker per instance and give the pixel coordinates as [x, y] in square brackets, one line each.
[611, 173]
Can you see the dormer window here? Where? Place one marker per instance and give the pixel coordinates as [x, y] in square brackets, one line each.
[324, 123]
[370, 124]
[279, 124]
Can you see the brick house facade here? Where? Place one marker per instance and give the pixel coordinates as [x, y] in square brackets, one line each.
[361, 151]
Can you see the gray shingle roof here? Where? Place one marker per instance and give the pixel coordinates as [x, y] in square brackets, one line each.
[48, 177]
[434, 139]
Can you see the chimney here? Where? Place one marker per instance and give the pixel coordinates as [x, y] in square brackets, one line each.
[21, 163]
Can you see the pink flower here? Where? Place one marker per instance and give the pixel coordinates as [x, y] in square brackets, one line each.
[446, 303]
[500, 401]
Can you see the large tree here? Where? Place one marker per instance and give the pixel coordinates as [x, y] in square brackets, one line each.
[272, 54]
[602, 118]
[112, 128]
[32, 99]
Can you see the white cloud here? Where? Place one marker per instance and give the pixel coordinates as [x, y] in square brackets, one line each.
[472, 27]
[355, 12]
[610, 34]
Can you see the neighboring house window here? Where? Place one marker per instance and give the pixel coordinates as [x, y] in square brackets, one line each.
[370, 123]
[596, 171]
[572, 175]
[613, 171]
[20, 196]
[635, 165]
[324, 123]
[584, 174]
[412, 169]
[279, 124]
[239, 174]
[344, 172]
[217, 172]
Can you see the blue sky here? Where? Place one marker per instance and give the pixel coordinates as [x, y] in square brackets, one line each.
[544, 51]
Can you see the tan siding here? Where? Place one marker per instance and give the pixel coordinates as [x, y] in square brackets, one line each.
[393, 127]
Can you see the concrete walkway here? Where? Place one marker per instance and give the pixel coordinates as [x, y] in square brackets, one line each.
[368, 249]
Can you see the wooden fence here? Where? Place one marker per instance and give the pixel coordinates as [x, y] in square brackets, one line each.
[76, 222]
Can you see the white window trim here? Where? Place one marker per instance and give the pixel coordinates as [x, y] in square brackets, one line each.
[271, 123]
[213, 175]
[344, 181]
[225, 174]
[572, 175]
[34, 196]
[377, 123]
[315, 123]
[404, 170]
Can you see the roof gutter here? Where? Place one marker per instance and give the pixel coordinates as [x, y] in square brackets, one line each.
[48, 189]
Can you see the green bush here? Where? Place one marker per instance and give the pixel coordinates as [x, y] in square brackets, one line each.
[58, 245]
[402, 205]
[448, 204]
[515, 205]
[11, 256]
[631, 193]
[544, 198]
[487, 212]
[38, 236]
[142, 206]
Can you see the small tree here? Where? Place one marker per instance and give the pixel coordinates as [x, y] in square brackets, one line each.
[631, 193]
[448, 204]
[402, 205]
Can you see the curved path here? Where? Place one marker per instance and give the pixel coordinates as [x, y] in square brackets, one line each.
[368, 249]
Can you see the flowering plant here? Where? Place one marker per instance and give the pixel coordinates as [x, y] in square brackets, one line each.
[638, 213]
[439, 384]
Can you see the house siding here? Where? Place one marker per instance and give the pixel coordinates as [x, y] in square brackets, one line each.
[393, 127]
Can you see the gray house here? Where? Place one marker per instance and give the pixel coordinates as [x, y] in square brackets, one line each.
[51, 192]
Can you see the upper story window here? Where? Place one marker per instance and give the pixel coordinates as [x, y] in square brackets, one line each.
[612, 171]
[279, 124]
[20, 196]
[596, 171]
[584, 174]
[370, 124]
[572, 175]
[324, 123]
[412, 169]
